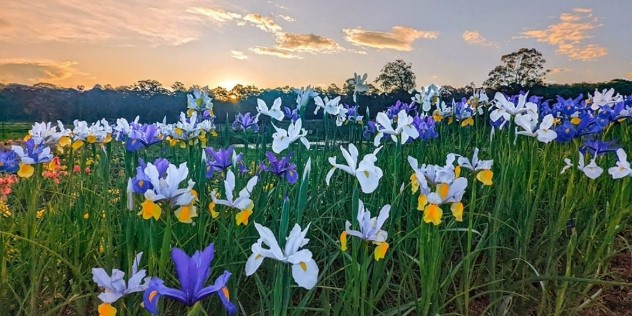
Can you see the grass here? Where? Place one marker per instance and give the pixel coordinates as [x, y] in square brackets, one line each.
[535, 242]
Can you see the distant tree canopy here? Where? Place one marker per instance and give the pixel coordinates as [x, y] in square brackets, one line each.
[521, 69]
[152, 102]
[397, 76]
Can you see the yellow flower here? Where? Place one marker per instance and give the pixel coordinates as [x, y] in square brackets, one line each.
[485, 176]
[26, 171]
[106, 309]
[433, 214]
[467, 122]
[211, 209]
[4, 209]
[64, 141]
[422, 200]
[86, 215]
[380, 251]
[78, 144]
[457, 211]
[414, 183]
[40, 213]
[343, 241]
[576, 121]
[185, 214]
[242, 217]
[150, 209]
[91, 139]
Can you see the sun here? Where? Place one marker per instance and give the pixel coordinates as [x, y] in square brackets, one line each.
[228, 84]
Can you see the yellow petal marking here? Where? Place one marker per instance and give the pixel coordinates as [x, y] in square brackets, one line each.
[422, 200]
[343, 241]
[242, 217]
[303, 266]
[457, 211]
[485, 176]
[443, 189]
[149, 210]
[106, 309]
[433, 214]
[414, 183]
[26, 171]
[78, 144]
[380, 251]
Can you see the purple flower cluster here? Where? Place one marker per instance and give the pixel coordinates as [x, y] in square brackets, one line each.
[282, 168]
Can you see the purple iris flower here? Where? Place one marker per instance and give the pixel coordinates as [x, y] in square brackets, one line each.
[141, 136]
[217, 161]
[394, 109]
[498, 124]
[141, 182]
[570, 106]
[565, 132]
[292, 114]
[192, 272]
[369, 130]
[545, 109]
[598, 148]
[245, 122]
[9, 161]
[425, 127]
[33, 153]
[282, 168]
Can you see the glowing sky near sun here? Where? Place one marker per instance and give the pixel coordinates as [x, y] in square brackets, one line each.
[296, 43]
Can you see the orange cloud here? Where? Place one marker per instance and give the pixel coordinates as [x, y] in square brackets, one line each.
[263, 23]
[400, 38]
[33, 71]
[120, 22]
[630, 76]
[475, 38]
[570, 35]
[217, 15]
[310, 43]
[273, 51]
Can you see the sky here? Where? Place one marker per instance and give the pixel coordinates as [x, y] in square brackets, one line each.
[299, 43]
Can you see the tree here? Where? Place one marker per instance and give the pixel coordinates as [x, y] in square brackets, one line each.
[397, 76]
[521, 69]
[149, 87]
[178, 87]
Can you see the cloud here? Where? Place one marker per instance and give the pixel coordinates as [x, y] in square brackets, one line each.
[33, 71]
[583, 10]
[558, 70]
[217, 15]
[400, 38]
[238, 55]
[263, 23]
[273, 51]
[287, 18]
[120, 22]
[570, 35]
[475, 38]
[309, 43]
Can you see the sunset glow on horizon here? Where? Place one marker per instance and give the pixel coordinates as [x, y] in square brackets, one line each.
[278, 43]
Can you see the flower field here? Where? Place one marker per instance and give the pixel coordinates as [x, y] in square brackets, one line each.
[503, 205]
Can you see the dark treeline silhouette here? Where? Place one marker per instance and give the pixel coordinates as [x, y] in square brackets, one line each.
[45, 102]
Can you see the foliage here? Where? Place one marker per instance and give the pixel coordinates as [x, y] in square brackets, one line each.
[521, 69]
[397, 76]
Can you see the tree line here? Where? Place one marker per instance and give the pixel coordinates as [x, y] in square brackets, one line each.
[519, 71]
